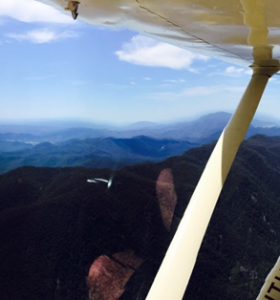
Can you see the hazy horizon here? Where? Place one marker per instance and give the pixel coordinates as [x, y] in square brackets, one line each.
[259, 115]
[53, 125]
[64, 121]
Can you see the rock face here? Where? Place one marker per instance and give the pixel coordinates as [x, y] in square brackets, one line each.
[108, 277]
[64, 238]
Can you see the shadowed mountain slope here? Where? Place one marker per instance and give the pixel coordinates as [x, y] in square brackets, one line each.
[53, 223]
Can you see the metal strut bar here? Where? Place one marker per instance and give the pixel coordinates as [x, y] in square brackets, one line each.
[270, 290]
[178, 263]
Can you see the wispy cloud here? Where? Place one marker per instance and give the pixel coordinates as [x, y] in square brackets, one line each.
[237, 72]
[174, 81]
[32, 11]
[42, 36]
[197, 91]
[148, 52]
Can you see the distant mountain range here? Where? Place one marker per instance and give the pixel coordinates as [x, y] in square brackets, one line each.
[95, 153]
[202, 130]
[53, 223]
[101, 147]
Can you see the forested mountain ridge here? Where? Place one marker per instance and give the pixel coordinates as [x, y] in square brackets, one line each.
[47, 215]
[95, 146]
[92, 153]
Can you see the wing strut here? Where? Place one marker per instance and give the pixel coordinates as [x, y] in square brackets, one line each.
[177, 266]
[270, 289]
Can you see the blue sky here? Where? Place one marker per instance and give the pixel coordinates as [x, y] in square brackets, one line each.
[55, 68]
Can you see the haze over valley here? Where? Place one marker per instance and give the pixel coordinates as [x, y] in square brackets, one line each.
[100, 146]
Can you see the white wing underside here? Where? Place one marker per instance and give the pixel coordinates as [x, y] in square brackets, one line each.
[245, 31]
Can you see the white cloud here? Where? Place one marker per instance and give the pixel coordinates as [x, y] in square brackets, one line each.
[42, 36]
[147, 52]
[237, 72]
[32, 11]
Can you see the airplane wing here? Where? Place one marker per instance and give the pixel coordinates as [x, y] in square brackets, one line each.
[244, 31]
